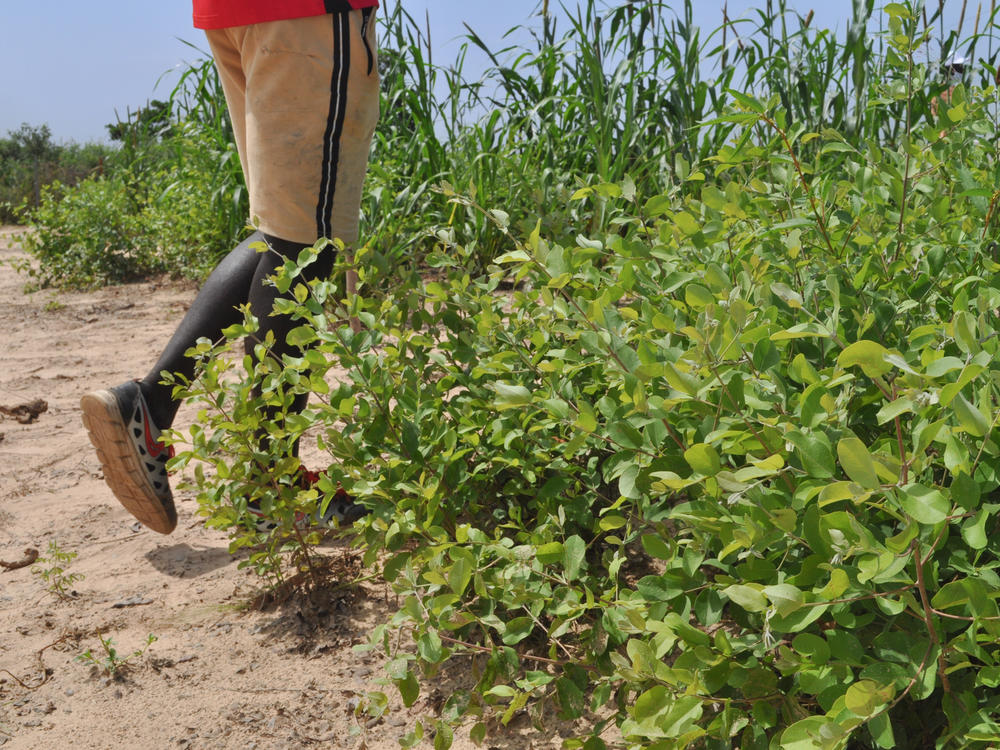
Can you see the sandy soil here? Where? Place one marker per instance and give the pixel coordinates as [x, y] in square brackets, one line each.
[220, 674]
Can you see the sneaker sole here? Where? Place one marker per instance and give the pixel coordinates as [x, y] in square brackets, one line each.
[122, 470]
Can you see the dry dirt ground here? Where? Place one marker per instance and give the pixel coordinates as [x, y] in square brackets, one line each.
[220, 674]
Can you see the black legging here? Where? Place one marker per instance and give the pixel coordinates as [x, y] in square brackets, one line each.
[237, 280]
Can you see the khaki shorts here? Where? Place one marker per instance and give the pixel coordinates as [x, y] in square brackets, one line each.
[303, 97]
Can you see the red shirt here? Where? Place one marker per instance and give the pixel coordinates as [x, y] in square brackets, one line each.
[220, 14]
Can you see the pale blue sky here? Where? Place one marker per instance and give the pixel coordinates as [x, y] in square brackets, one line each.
[72, 65]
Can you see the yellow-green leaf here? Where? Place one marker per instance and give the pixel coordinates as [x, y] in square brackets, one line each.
[924, 504]
[857, 462]
[746, 597]
[704, 459]
[971, 419]
[868, 355]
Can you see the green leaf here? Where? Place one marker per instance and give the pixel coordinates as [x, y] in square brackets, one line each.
[812, 733]
[971, 419]
[894, 409]
[515, 256]
[746, 101]
[857, 462]
[409, 689]
[814, 452]
[974, 530]
[965, 491]
[571, 698]
[802, 331]
[687, 223]
[461, 570]
[656, 547]
[880, 728]
[865, 697]
[478, 733]
[550, 553]
[964, 326]
[502, 691]
[680, 380]
[517, 630]
[868, 355]
[627, 482]
[897, 10]
[785, 598]
[681, 718]
[703, 459]
[611, 522]
[698, 296]
[836, 586]
[443, 736]
[952, 594]
[301, 336]
[783, 292]
[574, 552]
[625, 434]
[813, 647]
[587, 419]
[430, 648]
[510, 396]
[924, 504]
[750, 599]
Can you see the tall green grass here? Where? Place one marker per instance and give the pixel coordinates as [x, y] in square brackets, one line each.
[634, 89]
[591, 95]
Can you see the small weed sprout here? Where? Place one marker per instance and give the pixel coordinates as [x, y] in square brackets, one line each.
[111, 662]
[52, 570]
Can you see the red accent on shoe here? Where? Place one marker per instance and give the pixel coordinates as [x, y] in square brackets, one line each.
[153, 446]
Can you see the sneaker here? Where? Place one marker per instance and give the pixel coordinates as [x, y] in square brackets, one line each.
[131, 453]
[342, 508]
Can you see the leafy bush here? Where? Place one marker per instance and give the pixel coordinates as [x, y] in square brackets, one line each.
[30, 160]
[172, 215]
[197, 213]
[172, 197]
[623, 90]
[724, 474]
[90, 235]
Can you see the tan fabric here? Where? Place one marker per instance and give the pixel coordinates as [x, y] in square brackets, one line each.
[303, 96]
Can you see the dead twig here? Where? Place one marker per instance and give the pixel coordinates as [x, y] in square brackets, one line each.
[30, 555]
[25, 413]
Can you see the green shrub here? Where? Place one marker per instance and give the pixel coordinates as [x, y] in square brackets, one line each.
[174, 215]
[196, 215]
[725, 475]
[29, 160]
[172, 198]
[89, 235]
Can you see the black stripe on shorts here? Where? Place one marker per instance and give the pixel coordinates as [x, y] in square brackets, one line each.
[334, 121]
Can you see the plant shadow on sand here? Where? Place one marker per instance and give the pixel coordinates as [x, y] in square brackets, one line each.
[184, 561]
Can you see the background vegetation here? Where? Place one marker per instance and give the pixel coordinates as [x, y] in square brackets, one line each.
[675, 398]
[30, 160]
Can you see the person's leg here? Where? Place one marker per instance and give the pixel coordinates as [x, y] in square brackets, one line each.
[303, 96]
[125, 422]
[262, 296]
[216, 307]
[311, 108]
[122, 423]
[240, 278]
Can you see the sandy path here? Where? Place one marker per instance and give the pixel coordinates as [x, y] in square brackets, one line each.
[218, 676]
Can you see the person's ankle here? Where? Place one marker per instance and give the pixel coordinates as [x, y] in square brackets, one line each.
[161, 411]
